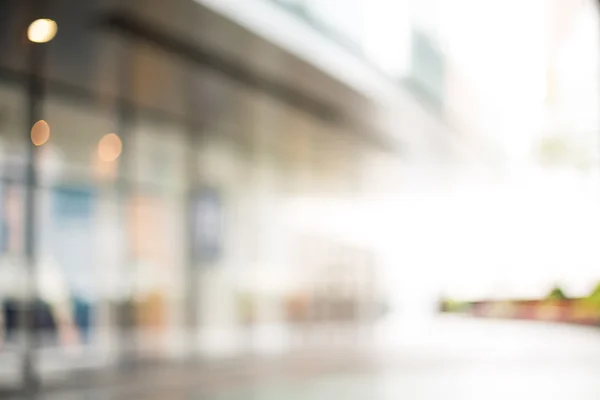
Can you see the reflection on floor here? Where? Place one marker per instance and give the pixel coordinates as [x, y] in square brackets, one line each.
[444, 359]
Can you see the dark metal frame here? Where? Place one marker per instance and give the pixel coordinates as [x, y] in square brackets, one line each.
[35, 95]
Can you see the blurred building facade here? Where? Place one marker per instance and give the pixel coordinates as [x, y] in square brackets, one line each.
[220, 175]
[189, 191]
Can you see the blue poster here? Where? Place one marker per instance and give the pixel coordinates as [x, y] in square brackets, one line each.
[72, 203]
[71, 237]
[73, 249]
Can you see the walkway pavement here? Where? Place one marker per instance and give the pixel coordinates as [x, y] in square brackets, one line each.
[444, 359]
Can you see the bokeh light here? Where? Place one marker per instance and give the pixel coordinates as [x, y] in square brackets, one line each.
[110, 147]
[42, 30]
[40, 133]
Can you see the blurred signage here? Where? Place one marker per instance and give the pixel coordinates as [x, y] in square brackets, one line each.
[3, 221]
[207, 227]
[71, 238]
[73, 203]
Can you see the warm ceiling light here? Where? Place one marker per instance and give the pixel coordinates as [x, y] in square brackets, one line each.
[42, 30]
[110, 147]
[40, 133]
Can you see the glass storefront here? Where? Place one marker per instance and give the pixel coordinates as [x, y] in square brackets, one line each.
[160, 216]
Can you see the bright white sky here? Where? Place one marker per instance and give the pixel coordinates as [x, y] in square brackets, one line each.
[387, 35]
[517, 238]
[502, 48]
[538, 227]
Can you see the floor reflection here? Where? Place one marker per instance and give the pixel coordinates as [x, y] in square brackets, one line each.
[450, 359]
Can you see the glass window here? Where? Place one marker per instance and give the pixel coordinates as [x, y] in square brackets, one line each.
[156, 210]
[13, 130]
[72, 152]
[13, 134]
